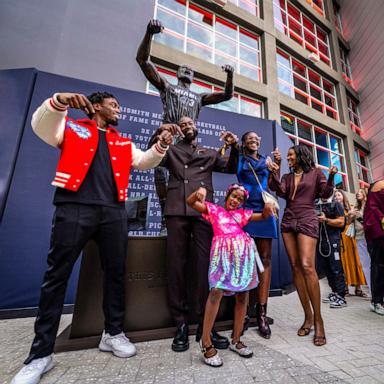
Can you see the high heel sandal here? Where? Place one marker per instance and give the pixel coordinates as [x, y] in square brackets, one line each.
[319, 341]
[214, 360]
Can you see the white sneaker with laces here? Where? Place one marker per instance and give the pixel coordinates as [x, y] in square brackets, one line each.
[118, 344]
[377, 308]
[31, 373]
[327, 299]
[338, 302]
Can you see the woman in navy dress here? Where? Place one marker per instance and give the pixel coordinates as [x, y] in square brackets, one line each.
[262, 231]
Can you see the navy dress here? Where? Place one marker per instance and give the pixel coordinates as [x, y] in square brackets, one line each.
[265, 228]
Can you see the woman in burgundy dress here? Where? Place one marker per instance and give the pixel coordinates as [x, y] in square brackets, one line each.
[300, 229]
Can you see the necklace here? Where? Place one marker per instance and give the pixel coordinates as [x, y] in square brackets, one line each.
[102, 129]
[299, 174]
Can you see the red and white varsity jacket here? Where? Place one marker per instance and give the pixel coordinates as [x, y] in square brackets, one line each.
[78, 141]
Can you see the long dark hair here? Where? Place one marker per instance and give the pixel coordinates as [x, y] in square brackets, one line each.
[304, 157]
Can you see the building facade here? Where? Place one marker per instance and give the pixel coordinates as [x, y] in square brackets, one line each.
[294, 61]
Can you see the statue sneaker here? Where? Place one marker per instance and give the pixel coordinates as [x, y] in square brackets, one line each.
[118, 344]
[31, 373]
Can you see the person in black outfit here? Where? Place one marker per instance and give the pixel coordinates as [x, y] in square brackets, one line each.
[331, 222]
[190, 166]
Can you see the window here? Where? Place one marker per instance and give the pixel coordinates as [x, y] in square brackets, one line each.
[317, 5]
[327, 149]
[199, 32]
[362, 168]
[251, 6]
[293, 23]
[354, 115]
[239, 103]
[336, 12]
[345, 66]
[304, 84]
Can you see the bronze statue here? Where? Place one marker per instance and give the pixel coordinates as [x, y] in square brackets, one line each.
[178, 100]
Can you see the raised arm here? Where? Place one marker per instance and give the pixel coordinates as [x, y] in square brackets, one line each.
[218, 97]
[325, 187]
[155, 154]
[196, 200]
[48, 121]
[142, 56]
[274, 182]
[227, 164]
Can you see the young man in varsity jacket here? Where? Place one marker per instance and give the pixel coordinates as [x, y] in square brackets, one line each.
[92, 180]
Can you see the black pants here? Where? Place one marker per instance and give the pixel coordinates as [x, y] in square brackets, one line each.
[376, 251]
[331, 266]
[187, 237]
[73, 225]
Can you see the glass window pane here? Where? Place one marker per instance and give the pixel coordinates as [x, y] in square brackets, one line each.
[171, 21]
[315, 92]
[288, 123]
[199, 51]
[321, 138]
[283, 59]
[176, 6]
[197, 14]
[338, 161]
[248, 55]
[285, 74]
[304, 130]
[339, 182]
[170, 40]
[335, 143]
[250, 108]
[227, 29]
[300, 84]
[303, 98]
[200, 34]
[249, 71]
[310, 147]
[225, 45]
[246, 38]
[298, 68]
[285, 88]
[323, 158]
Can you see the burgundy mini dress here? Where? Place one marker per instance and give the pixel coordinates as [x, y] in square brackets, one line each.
[299, 214]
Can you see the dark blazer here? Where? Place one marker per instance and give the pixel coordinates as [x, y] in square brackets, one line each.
[191, 167]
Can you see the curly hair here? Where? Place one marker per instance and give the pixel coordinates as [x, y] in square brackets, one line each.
[98, 97]
[304, 157]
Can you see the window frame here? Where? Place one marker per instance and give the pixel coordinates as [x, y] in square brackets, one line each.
[252, 3]
[297, 139]
[300, 94]
[301, 24]
[358, 153]
[345, 65]
[353, 116]
[215, 53]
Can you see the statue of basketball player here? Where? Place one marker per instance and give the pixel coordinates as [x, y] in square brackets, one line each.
[178, 100]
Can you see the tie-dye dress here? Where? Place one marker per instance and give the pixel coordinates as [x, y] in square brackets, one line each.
[233, 258]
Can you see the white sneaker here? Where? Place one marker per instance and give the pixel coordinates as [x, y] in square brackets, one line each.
[32, 372]
[119, 345]
[327, 299]
[338, 302]
[377, 308]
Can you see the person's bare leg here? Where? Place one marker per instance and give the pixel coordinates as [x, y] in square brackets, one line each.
[290, 242]
[307, 254]
[264, 247]
[240, 311]
[211, 309]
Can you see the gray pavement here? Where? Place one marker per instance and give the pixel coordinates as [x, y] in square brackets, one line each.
[354, 353]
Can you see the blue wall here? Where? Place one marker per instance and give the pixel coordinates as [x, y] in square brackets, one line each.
[28, 166]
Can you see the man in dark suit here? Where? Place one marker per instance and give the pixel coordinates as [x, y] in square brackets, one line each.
[190, 166]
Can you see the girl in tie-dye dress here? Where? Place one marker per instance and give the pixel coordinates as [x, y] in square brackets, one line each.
[233, 263]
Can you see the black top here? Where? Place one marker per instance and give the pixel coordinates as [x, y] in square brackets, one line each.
[178, 102]
[331, 211]
[98, 187]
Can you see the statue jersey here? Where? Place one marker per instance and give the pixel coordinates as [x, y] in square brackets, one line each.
[179, 102]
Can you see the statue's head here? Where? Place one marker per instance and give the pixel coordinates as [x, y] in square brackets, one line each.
[185, 74]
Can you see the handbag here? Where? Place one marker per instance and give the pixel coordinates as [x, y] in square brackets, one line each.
[351, 231]
[266, 196]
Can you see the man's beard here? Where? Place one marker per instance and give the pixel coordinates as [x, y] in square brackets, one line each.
[189, 137]
[114, 123]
